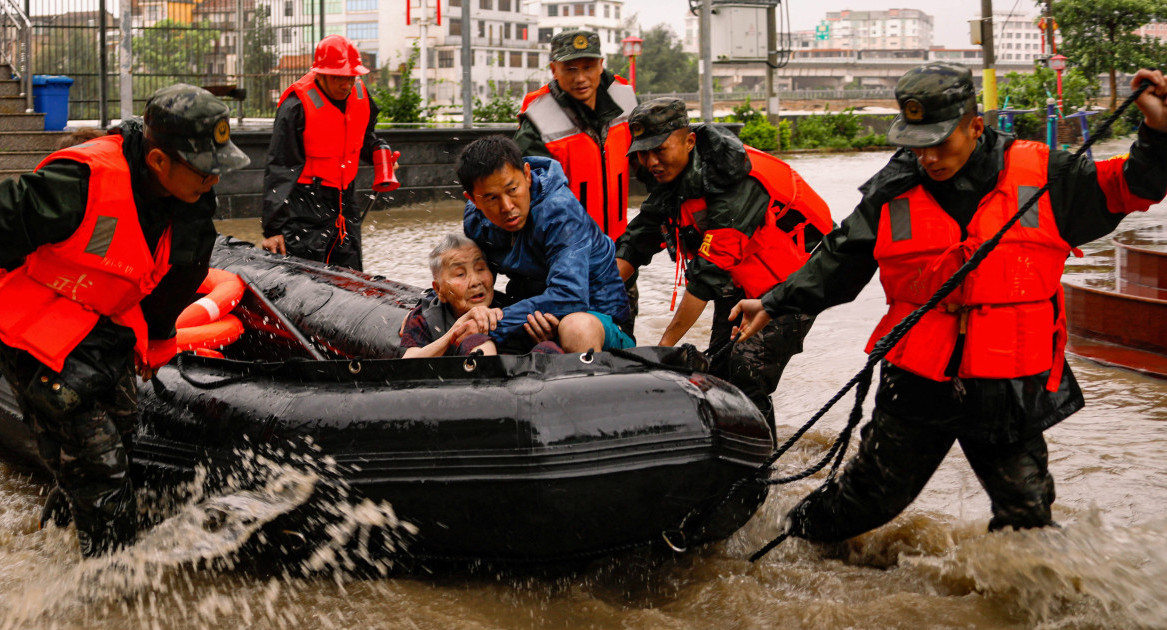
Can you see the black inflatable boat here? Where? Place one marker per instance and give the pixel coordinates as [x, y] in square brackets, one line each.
[534, 458]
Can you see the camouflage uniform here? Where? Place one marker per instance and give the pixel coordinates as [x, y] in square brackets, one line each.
[998, 422]
[84, 416]
[717, 171]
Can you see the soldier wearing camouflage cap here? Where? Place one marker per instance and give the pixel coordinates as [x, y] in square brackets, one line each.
[987, 369]
[580, 119]
[737, 220]
[324, 128]
[104, 245]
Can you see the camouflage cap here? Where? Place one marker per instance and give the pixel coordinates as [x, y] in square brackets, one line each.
[570, 45]
[652, 122]
[191, 122]
[932, 99]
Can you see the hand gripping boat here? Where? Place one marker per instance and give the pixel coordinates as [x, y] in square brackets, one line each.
[508, 459]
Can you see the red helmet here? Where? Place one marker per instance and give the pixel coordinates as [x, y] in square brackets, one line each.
[338, 56]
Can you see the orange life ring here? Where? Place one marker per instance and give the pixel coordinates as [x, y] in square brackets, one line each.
[223, 291]
[213, 335]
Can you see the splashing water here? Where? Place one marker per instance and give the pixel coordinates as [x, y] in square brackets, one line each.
[228, 521]
[1088, 572]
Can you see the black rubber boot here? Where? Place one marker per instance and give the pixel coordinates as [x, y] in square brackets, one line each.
[56, 509]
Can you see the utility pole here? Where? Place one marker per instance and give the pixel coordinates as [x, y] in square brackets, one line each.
[771, 62]
[467, 61]
[989, 76]
[125, 62]
[423, 23]
[706, 61]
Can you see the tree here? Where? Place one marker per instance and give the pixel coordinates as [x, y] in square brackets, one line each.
[503, 106]
[175, 50]
[404, 106]
[662, 66]
[259, 61]
[1099, 36]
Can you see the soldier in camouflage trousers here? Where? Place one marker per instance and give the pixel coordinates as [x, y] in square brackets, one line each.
[710, 203]
[103, 246]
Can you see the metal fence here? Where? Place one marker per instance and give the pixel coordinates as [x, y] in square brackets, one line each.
[246, 50]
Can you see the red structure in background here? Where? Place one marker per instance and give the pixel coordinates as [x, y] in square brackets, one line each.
[1122, 321]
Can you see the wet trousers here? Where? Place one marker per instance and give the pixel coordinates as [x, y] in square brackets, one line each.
[311, 231]
[755, 365]
[897, 457]
[83, 419]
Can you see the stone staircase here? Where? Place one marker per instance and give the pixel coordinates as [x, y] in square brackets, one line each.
[23, 141]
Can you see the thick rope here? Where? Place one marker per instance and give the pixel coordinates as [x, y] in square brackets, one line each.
[885, 344]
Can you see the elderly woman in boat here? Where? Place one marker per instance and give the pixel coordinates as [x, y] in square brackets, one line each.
[457, 317]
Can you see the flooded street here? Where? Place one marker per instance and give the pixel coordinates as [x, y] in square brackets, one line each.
[933, 567]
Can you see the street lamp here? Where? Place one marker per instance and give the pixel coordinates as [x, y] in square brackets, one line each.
[631, 47]
[1057, 63]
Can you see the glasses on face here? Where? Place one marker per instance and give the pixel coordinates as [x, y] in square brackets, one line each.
[206, 176]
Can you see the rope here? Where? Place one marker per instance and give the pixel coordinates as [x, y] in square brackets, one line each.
[885, 344]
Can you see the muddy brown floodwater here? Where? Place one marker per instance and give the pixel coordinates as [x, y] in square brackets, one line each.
[933, 567]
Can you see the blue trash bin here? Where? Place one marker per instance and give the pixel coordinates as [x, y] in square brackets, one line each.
[50, 96]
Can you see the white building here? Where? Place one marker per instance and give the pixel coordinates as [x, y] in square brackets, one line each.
[894, 29]
[602, 16]
[1017, 39]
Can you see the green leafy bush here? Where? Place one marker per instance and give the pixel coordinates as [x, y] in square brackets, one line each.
[502, 107]
[785, 134]
[760, 134]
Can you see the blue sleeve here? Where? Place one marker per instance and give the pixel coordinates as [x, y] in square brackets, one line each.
[564, 241]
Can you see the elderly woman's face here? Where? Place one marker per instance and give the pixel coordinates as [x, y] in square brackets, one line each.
[465, 281]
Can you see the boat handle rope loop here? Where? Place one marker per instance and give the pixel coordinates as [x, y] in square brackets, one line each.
[862, 380]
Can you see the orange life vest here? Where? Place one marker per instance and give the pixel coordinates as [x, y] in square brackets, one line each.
[777, 248]
[53, 300]
[332, 138]
[1010, 308]
[599, 179]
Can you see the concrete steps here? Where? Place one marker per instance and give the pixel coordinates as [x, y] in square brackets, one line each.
[23, 140]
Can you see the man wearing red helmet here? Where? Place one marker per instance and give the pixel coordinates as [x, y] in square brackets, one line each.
[323, 128]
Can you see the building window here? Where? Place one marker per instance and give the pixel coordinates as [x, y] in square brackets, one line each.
[481, 28]
[504, 5]
[445, 59]
[617, 10]
[486, 4]
[356, 6]
[361, 30]
[455, 27]
[532, 60]
[516, 59]
[607, 10]
[285, 35]
[289, 8]
[455, 3]
[502, 59]
[506, 30]
[579, 9]
[591, 9]
[545, 35]
[553, 10]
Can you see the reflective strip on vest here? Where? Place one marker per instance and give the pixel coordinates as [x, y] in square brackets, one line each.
[1009, 308]
[105, 267]
[776, 248]
[332, 139]
[598, 179]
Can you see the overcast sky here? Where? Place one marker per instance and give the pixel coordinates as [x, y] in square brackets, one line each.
[950, 17]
